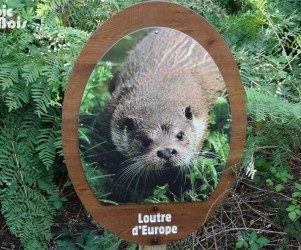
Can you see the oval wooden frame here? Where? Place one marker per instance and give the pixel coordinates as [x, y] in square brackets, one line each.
[188, 216]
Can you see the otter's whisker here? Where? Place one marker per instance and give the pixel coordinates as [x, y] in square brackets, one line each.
[132, 160]
[137, 174]
[130, 172]
[101, 153]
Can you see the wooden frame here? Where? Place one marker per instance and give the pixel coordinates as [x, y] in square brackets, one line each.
[188, 216]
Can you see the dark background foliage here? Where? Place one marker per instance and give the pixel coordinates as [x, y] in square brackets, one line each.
[35, 62]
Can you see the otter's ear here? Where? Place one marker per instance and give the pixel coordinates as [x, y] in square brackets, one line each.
[188, 113]
[127, 122]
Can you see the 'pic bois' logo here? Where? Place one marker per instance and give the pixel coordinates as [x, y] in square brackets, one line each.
[8, 21]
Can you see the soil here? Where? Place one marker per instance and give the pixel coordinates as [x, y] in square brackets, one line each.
[7, 239]
[72, 217]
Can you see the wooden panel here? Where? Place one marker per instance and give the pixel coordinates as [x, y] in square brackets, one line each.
[187, 216]
[162, 247]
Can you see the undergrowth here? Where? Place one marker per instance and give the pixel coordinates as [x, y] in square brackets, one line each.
[265, 38]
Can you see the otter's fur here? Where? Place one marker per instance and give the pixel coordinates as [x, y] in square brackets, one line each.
[160, 102]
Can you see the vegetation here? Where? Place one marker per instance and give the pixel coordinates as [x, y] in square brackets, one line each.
[265, 38]
[89, 240]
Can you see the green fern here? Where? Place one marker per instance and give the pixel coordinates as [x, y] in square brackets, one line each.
[8, 75]
[35, 66]
[30, 73]
[17, 96]
[28, 195]
[41, 97]
[36, 62]
[46, 146]
[264, 106]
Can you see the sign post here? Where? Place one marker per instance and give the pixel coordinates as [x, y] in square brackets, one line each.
[152, 225]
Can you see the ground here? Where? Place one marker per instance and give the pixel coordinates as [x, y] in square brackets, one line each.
[244, 210]
[7, 240]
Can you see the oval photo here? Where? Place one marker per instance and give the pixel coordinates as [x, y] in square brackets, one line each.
[154, 123]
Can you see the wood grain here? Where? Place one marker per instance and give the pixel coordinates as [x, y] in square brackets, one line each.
[188, 216]
[161, 247]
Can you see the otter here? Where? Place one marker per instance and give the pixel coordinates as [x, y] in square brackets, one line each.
[158, 111]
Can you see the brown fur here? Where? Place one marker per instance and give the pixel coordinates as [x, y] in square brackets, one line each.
[164, 73]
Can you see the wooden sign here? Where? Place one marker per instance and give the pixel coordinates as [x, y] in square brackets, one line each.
[175, 37]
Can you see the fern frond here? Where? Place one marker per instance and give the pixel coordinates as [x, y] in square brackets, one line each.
[28, 196]
[17, 96]
[30, 72]
[46, 148]
[41, 97]
[263, 106]
[9, 75]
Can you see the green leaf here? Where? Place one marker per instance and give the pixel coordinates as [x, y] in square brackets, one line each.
[273, 170]
[279, 188]
[292, 215]
[262, 241]
[240, 244]
[65, 245]
[253, 246]
[269, 182]
[253, 236]
[296, 194]
[57, 204]
[291, 208]
[298, 186]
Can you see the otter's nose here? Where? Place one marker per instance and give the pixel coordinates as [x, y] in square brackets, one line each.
[166, 153]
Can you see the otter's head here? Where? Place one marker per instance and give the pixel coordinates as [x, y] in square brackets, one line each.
[159, 140]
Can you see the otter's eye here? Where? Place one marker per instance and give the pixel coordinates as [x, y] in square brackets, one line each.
[127, 122]
[146, 142]
[188, 113]
[180, 135]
